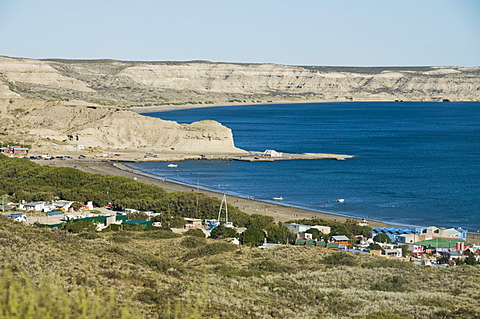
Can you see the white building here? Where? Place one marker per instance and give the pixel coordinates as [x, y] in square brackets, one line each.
[37, 206]
[272, 153]
[299, 228]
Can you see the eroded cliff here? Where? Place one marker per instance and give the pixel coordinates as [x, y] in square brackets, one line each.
[72, 103]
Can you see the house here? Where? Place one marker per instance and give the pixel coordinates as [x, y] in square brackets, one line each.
[443, 245]
[192, 223]
[437, 232]
[343, 240]
[336, 246]
[411, 238]
[299, 228]
[37, 206]
[394, 252]
[14, 150]
[394, 232]
[321, 244]
[305, 235]
[62, 205]
[272, 153]
[475, 251]
[300, 241]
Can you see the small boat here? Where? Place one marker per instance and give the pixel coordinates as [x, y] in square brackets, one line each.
[172, 165]
[341, 200]
[278, 198]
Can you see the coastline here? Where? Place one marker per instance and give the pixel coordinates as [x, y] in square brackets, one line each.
[173, 107]
[281, 213]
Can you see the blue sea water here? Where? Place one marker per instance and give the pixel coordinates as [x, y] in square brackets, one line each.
[417, 163]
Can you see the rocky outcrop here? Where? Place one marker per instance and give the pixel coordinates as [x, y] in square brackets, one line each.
[61, 104]
[60, 126]
[156, 83]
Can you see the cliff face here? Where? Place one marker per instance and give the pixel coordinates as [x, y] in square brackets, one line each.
[73, 126]
[65, 103]
[156, 83]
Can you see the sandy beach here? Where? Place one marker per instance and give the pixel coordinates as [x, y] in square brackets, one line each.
[250, 206]
[279, 212]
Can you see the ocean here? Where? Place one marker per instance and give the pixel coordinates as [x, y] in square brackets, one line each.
[415, 164]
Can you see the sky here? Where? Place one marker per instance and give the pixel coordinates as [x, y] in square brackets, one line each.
[295, 32]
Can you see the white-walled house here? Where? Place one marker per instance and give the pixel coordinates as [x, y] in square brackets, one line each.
[299, 228]
[272, 153]
[37, 206]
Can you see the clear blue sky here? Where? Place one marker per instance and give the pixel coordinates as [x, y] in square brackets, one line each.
[295, 32]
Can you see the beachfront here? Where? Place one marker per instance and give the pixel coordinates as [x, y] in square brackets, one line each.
[280, 213]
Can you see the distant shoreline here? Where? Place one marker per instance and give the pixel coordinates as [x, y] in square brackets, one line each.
[164, 108]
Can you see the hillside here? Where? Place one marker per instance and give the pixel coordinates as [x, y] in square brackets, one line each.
[73, 105]
[123, 83]
[158, 274]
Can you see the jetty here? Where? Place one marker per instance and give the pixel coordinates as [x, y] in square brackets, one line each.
[250, 157]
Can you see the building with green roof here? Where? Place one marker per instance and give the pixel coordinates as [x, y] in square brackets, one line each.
[440, 244]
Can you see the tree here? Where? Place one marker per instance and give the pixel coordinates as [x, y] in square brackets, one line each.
[253, 237]
[279, 234]
[471, 260]
[138, 215]
[317, 234]
[374, 246]
[220, 232]
[382, 238]
[259, 221]
[76, 206]
[79, 226]
[195, 233]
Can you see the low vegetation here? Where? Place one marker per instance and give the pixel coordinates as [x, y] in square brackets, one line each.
[136, 272]
[159, 274]
[23, 180]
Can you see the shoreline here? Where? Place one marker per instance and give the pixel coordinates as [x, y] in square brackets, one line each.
[172, 107]
[281, 213]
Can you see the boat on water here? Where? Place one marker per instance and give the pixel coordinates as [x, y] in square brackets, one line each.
[278, 198]
[172, 165]
[341, 200]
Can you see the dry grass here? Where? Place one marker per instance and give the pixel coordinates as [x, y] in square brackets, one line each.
[146, 276]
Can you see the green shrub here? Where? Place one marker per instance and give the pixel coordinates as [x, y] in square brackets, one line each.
[339, 259]
[381, 262]
[210, 249]
[24, 297]
[382, 315]
[462, 312]
[231, 272]
[253, 237]
[89, 235]
[79, 226]
[161, 234]
[394, 284]
[195, 232]
[271, 266]
[221, 231]
[162, 264]
[193, 242]
[382, 238]
[138, 215]
[120, 239]
[435, 302]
